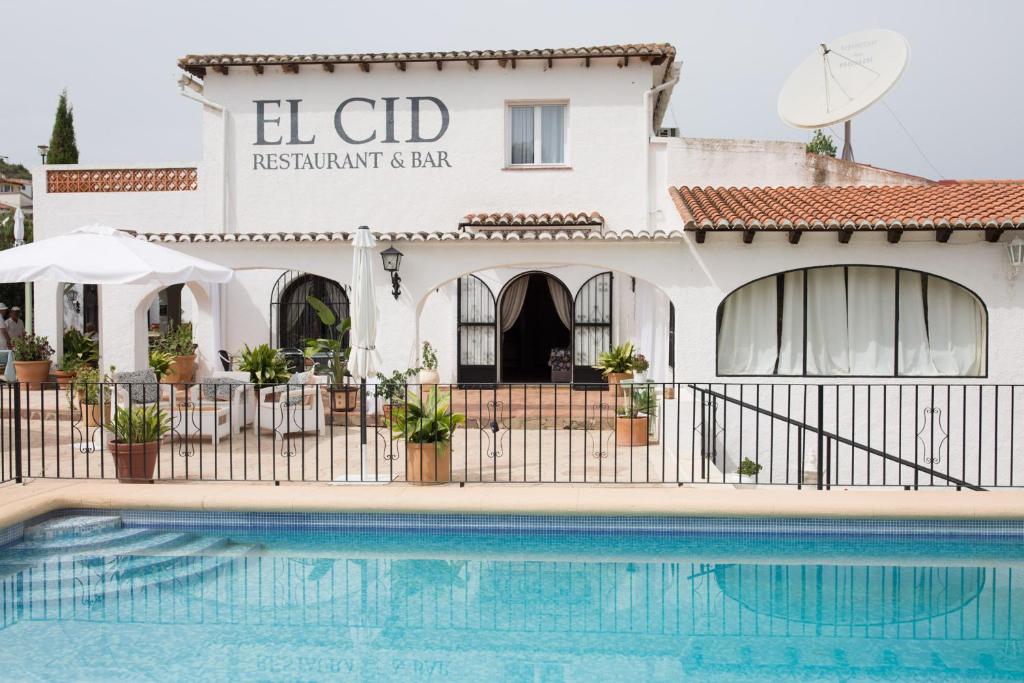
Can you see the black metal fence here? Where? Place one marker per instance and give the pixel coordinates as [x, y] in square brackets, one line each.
[802, 435]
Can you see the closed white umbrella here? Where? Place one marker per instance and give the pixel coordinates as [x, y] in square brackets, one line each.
[98, 255]
[364, 359]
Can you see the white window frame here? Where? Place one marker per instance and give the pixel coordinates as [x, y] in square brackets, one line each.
[538, 135]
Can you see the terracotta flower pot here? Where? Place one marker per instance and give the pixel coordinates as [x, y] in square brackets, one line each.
[63, 377]
[344, 399]
[135, 463]
[631, 431]
[428, 463]
[94, 414]
[183, 369]
[385, 410]
[32, 371]
[615, 378]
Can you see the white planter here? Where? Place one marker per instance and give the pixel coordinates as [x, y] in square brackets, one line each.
[429, 377]
[639, 377]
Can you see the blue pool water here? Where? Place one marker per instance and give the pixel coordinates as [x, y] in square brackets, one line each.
[98, 596]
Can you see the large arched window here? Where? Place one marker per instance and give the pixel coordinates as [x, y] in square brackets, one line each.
[853, 321]
[292, 319]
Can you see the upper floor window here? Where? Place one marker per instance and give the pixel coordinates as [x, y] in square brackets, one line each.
[537, 134]
[852, 321]
[6, 188]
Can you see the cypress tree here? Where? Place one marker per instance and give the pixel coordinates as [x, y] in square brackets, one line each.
[63, 149]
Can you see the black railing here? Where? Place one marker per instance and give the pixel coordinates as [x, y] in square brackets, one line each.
[813, 435]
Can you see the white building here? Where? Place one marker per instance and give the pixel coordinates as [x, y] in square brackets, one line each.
[15, 193]
[536, 209]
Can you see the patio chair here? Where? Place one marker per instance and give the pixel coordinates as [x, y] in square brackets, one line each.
[292, 408]
[220, 393]
[140, 387]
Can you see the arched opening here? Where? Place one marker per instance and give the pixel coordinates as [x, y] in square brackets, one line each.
[535, 318]
[292, 320]
[852, 321]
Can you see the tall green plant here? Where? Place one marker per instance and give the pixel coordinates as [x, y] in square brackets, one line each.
[177, 341]
[427, 420]
[63, 148]
[160, 362]
[264, 364]
[79, 349]
[338, 366]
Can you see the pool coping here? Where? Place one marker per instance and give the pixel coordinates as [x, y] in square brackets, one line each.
[19, 503]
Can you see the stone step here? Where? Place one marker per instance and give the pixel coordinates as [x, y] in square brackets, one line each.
[109, 542]
[76, 525]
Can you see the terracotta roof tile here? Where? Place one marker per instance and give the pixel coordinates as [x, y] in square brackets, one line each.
[655, 53]
[968, 205]
[512, 235]
[532, 220]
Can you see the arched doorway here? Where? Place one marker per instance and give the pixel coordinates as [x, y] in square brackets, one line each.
[535, 317]
[292, 319]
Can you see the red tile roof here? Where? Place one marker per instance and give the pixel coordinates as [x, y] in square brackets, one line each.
[655, 53]
[954, 205]
[532, 220]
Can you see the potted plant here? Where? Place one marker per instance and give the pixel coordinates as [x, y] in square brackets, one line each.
[265, 365]
[343, 396]
[79, 349]
[640, 367]
[93, 393]
[748, 470]
[135, 445]
[560, 362]
[391, 389]
[32, 358]
[428, 373]
[426, 426]
[178, 344]
[633, 420]
[617, 364]
[160, 362]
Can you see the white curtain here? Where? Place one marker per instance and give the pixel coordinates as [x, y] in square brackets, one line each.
[915, 359]
[552, 127]
[956, 329]
[871, 320]
[562, 300]
[828, 345]
[651, 323]
[791, 350]
[747, 340]
[521, 130]
[512, 301]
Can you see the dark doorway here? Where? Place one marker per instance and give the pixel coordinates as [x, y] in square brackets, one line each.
[526, 346]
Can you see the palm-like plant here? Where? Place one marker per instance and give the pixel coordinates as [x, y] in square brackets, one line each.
[427, 420]
[335, 346]
[141, 424]
[619, 359]
[160, 362]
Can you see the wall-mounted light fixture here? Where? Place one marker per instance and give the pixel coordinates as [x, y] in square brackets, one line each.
[43, 150]
[392, 262]
[1015, 250]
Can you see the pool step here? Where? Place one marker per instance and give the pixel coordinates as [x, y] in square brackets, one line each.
[109, 542]
[99, 588]
[76, 525]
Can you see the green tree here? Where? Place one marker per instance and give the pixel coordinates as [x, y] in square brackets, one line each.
[821, 144]
[9, 170]
[63, 149]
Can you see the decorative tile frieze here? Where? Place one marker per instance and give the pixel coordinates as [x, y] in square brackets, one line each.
[122, 180]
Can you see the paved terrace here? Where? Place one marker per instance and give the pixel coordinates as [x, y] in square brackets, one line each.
[513, 434]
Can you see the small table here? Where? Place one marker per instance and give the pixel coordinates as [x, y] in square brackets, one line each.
[211, 420]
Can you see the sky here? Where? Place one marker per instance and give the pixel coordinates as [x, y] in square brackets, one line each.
[956, 113]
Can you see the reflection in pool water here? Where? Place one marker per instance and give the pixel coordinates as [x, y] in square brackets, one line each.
[289, 606]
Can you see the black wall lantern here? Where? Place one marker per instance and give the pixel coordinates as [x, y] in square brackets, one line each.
[392, 262]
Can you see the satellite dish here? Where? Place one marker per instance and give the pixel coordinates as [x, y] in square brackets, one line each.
[842, 78]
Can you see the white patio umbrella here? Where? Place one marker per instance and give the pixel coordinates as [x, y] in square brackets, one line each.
[98, 255]
[363, 359]
[19, 239]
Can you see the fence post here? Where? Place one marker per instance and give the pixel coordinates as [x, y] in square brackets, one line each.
[17, 431]
[821, 440]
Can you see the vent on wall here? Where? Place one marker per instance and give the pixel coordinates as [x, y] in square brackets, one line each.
[667, 133]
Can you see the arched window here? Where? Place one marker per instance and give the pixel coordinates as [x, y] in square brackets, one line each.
[476, 333]
[853, 321]
[592, 326]
[292, 319]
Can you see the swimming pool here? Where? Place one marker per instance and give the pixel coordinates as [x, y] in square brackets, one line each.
[90, 595]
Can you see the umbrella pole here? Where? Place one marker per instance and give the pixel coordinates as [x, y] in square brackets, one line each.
[362, 423]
